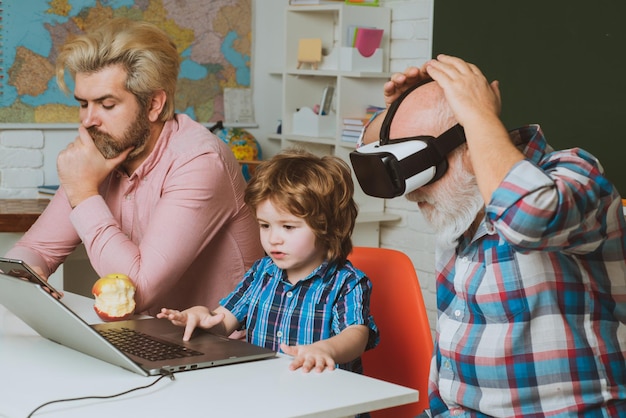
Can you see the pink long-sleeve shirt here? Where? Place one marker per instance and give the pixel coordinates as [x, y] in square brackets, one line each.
[178, 226]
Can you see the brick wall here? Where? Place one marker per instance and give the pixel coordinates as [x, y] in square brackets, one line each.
[21, 163]
[28, 158]
[411, 45]
[411, 32]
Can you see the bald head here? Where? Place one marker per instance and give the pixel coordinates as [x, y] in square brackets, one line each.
[423, 112]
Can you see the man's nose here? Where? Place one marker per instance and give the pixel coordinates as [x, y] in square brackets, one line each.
[89, 117]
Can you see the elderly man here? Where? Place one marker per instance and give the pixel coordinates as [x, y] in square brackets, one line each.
[530, 260]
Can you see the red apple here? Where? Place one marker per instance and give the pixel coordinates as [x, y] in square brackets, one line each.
[115, 297]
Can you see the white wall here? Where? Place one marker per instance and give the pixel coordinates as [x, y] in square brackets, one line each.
[28, 157]
[411, 45]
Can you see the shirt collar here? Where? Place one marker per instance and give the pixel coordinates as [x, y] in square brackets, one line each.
[324, 271]
[531, 142]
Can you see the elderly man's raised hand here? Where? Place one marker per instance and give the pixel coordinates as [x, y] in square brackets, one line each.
[470, 96]
[399, 82]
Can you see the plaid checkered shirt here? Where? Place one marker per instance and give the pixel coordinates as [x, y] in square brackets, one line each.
[532, 308]
[316, 308]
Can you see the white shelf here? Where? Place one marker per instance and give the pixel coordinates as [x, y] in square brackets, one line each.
[354, 91]
[347, 144]
[309, 139]
[368, 217]
[315, 7]
[337, 73]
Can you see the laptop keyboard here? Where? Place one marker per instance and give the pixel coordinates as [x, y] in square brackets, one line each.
[144, 346]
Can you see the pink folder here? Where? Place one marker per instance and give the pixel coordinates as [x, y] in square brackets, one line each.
[367, 40]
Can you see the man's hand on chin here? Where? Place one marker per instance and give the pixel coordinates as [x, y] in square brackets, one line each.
[81, 167]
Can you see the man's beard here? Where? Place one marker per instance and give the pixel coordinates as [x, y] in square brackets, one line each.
[452, 203]
[135, 136]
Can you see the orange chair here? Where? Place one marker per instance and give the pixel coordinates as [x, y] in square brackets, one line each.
[405, 350]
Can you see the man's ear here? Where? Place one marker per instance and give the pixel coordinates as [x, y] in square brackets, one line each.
[157, 103]
[467, 161]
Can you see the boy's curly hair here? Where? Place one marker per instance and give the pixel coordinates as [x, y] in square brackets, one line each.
[317, 189]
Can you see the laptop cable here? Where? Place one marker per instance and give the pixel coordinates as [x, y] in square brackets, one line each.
[164, 373]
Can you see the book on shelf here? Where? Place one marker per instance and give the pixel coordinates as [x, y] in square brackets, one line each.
[48, 189]
[302, 2]
[347, 132]
[371, 109]
[359, 121]
[352, 34]
[350, 138]
[363, 2]
[356, 120]
[367, 40]
[355, 128]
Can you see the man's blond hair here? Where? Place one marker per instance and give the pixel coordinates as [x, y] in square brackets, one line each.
[148, 55]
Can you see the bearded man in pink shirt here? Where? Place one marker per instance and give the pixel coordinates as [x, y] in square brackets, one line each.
[151, 194]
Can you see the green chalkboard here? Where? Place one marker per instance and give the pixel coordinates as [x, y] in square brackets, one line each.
[561, 64]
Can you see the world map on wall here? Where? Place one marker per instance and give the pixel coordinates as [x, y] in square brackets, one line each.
[213, 38]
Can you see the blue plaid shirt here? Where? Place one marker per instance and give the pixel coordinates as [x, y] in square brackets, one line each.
[532, 308]
[318, 307]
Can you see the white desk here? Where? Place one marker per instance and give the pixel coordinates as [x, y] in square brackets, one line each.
[35, 370]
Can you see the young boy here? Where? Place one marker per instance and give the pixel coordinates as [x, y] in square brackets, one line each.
[304, 298]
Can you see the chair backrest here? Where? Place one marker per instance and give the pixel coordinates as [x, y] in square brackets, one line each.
[405, 350]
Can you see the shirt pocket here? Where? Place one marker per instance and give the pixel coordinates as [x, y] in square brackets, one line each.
[496, 291]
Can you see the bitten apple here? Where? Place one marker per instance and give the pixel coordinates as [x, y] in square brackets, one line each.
[115, 297]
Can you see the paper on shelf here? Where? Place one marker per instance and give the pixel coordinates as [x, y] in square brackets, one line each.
[238, 107]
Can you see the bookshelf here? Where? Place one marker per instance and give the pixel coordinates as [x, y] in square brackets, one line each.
[355, 88]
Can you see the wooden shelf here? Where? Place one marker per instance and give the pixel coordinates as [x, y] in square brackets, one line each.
[18, 215]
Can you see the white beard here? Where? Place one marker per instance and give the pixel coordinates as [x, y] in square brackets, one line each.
[451, 204]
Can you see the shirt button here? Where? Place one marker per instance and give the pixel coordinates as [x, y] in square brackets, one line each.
[457, 313]
[279, 334]
[289, 294]
[128, 197]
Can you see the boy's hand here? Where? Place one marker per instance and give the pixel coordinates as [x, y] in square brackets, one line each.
[198, 316]
[309, 357]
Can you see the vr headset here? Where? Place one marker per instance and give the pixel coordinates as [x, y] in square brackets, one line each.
[390, 169]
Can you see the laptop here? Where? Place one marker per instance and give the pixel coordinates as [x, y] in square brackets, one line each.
[52, 319]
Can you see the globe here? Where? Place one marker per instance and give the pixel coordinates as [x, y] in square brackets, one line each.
[243, 144]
